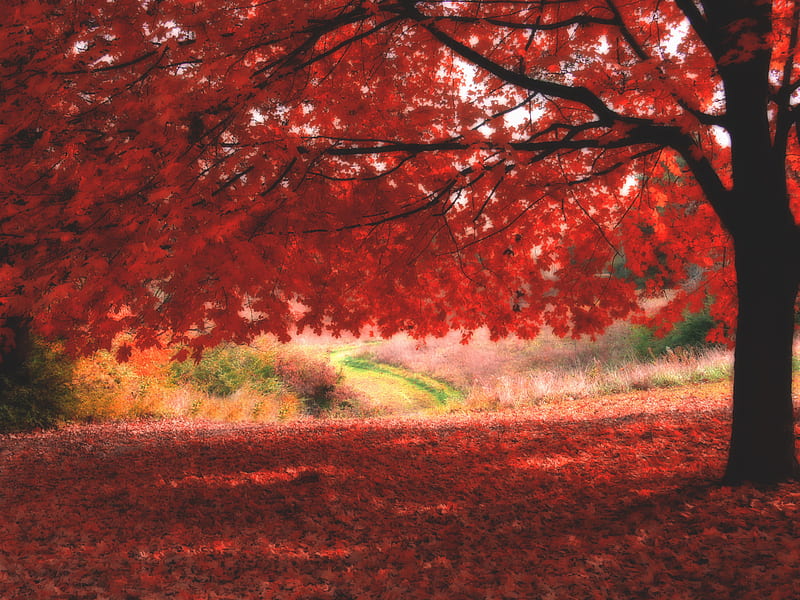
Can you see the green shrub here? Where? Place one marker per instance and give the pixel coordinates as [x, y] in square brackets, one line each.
[225, 369]
[690, 333]
[275, 372]
[40, 394]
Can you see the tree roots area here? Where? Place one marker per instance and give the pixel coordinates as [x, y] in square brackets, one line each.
[590, 498]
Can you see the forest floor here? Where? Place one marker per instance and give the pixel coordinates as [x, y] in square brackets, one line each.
[606, 497]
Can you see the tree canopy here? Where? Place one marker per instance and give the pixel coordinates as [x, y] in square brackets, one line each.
[200, 171]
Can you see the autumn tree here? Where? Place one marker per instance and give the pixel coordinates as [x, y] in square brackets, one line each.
[195, 171]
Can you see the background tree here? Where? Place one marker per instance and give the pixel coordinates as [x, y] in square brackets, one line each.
[201, 171]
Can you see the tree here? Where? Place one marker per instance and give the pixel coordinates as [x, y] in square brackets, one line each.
[194, 172]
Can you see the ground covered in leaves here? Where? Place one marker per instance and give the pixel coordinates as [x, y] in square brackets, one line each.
[611, 498]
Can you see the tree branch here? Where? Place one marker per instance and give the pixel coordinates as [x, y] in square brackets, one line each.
[578, 94]
[787, 116]
[700, 26]
[532, 27]
[626, 34]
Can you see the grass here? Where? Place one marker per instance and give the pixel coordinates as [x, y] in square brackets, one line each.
[516, 373]
[329, 377]
[441, 393]
[388, 389]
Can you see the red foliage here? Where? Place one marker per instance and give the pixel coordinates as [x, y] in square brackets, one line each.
[583, 500]
[179, 167]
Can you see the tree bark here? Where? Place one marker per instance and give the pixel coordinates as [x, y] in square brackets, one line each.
[758, 216]
[13, 361]
[762, 445]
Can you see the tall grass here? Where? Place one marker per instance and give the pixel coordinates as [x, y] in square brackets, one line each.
[514, 373]
[319, 377]
[538, 385]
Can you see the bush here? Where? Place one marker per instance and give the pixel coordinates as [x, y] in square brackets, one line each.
[315, 381]
[318, 384]
[229, 383]
[690, 333]
[226, 369]
[109, 389]
[40, 393]
[274, 372]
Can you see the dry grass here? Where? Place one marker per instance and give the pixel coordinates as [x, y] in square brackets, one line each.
[508, 374]
[244, 405]
[481, 358]
[544, 385]
[514, 373]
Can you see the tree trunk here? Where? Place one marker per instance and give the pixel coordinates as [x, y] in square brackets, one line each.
[763, 441]
[758, 216]
[12, 362]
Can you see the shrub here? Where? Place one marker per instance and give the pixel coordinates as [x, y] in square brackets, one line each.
[318, 385]
[40, 394]
[226, 369]
[315, 381]
[109, 389]
[690, 333]
[279, 376]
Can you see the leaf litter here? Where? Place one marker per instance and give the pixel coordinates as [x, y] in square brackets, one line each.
[590, 498]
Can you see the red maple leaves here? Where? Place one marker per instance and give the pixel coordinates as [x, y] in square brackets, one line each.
[582, 499]
[203, 171]
[196, 173]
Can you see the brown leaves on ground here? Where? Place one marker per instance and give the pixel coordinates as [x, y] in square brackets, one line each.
[614, 499]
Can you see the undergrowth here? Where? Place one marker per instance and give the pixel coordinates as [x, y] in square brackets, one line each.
[40, 393]
[322, 377]
[264, 382]
[687, 335]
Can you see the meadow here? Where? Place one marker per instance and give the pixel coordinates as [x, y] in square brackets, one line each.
[332, 469]
[514, 373]
[322, 376]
